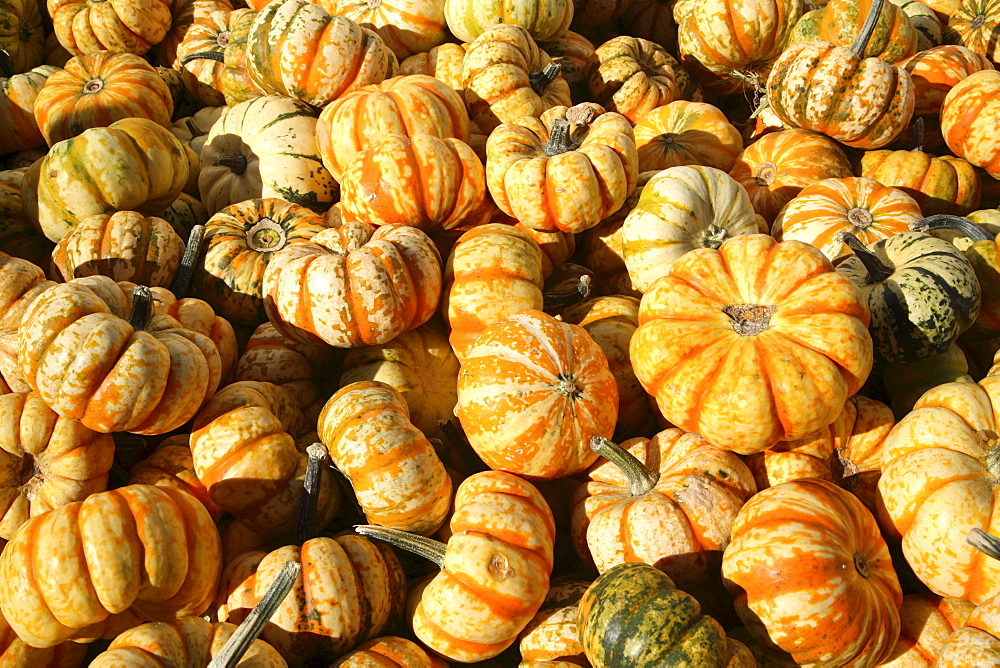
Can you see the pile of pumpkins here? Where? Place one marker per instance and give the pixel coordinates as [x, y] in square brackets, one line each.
[523, 333]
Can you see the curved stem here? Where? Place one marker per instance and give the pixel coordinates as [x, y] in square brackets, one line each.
[142, 307]
[557, 300]
[540, 80]
[204, 55]
[877, 272]
[986, 543]
[182, 279]
[640, 479]
[427, 548]
[868, 29]
[559, 139]
[963, 226]
[237, 162]
[316, 454]
[238, 644]
[6, 68]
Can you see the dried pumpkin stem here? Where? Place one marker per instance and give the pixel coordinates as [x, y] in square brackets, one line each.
[236, 162]
[877, 271]
[560, 140]
[986, 543]
[942, 221]
[918, 134]
[540, 80]
[749, 319]
[6, 68]
[182, 279]
[428, 548]
[316, 456]
[557, 300]
[142, 307]
[238, 644]
[868, 29]
[204, 55]
[640, 479]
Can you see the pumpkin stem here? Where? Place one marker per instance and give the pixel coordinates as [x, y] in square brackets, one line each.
[428, 548]
[238, 644]
[204, 55]
[986, 543]
[459, 443]
[749, 319]
[6, 68]
[877, 272]
[557, 300]
[540, 80]
[182, 279]
[559, 139]
[236, 162]
[713, 237]
[918, 134]
[316, 455]
[868, 29]
[142, 307]
[640, 479]
[963, 226]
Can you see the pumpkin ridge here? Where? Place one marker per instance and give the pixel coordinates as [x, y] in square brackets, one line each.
[499, 604]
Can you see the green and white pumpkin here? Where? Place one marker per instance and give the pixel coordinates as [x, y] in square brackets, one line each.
[921, 291]
[924, 20]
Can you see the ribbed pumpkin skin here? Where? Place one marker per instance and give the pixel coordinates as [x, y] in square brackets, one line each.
[969, 117]
[714, 45]
[240, 242]
[937, 70]
[189, 641]
[84, 26]
[299, 368]
[943, 184]
[184, 14]
[668, 527]
[17, 653]
[354, 285]
[864, 207]
[839, 22]
[931, 297]
[443, 62]
[141, 551]
[809, 540]
[209, 33]
[925, 21]
[633, 76]
[296, 48]
[500, 552]
[633, 615]
[398, 479]
[69, 462]
[776, 167]
[926, 622]
[419, 180]
[406, 26]
[494, 270]
[350, 589]
[689, 354]
[532, 392]
[23, 36]
[572, 190]
[682, 209]
[686, 133]
[552, 635]
[388, 652]
[172, 465]
[543, 19]
[400, 105]
[131, 165]
[18, 128]
[974, 24]
[274, 136]
[978, 641]
[939, 481]
[571, 52]
[125, 246]
[97, 89]
[861, 103]
[237, 85]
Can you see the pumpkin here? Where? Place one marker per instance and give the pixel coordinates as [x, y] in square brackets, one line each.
[131, 165]
[193, 130]
[295, 48]
[400, 105]
[418, 180]
[632, 614]
[172, 465]
[185, 212]
[532, 392]
[406, 26]
[925, 22]
[938, 482]
[731, 56]
[236, 83]
[552, 636]
[15, 652]
[969, 114]
[506, 77]
[388, 652]
[686, 133]
[542, 19]
[926, 622]
[184, 14]
[860, 102]
[633, 76]
[443, 62]
[921, 292]
[947, 184]
[18, 128]
[47, 461]
[264, 148]
[571, 53]
[126, 246]
[936, 71]
[397, 478]
[18, 236]
[681, 209]
[652, 20]
[138, 553]
[839, 22]
[202, 50]
[974, 24]
[22, 36]
[643, 502]
[500, 549]
[565, 171]
[85, 26]
[860, 206]
[97, 89]
[719, 316]
[20, 284]
[977, 640]
[353, 286]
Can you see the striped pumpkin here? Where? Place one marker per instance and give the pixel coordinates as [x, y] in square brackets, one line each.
[443, 62]
[203, 47]
[974, 24]
[943, 184]
[633, 76]
[687, 133]
[552, 635]
[970, 115]
[264, 147]
[937, 70]
[398, 479]
[124, 28]
[532, 392]
[18, 127]
[236, 83]
[542, 19]
[389, 652]
[839, 22]
[22, 34]
[406, 26]
[861, 206]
